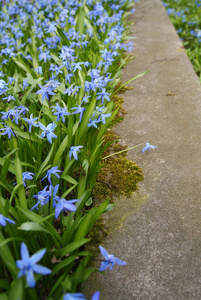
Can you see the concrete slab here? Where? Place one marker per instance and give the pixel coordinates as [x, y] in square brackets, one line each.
[158, 231]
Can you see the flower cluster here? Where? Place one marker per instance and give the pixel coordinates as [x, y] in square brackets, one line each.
[60, 62]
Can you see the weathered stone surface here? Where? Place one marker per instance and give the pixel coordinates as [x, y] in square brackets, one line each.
[158, 231]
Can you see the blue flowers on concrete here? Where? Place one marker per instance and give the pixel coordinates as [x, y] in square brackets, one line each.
[110, 260]
[148, 147]
[28, 266]
[79, 296]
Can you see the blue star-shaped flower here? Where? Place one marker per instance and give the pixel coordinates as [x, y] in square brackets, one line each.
[28, 265]
[45, 91]
[73, 151]
[148, 147]
[3, 220]
[54, 171]
[27, 176]
[110, 260]
[64, 205]
[31, 122]
[48, 131]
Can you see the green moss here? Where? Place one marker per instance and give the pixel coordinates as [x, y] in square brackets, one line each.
[118, 178]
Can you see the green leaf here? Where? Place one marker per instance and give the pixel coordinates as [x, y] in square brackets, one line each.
[33, 226]
[17, 290]
[23, 66]
[84, 226]
[98, 212]
[3, 243]
[45, 162]
[63, 264]
[89, 202]
[21, 189]
[38, 219]
[4, 283]
[10, 169]
[7, 257]
[64, 39]
[69, 179]
[66, 262]
[15, 190]
[72, 247]
[60, 151]
[134, 78]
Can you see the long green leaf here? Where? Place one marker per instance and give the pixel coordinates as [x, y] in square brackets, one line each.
[45, 162]
[32, 226]
[127, 82]
[60, 151]
[7, 257]
[72, 247]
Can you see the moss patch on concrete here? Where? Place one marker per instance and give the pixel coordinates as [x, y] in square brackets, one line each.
[119, 177]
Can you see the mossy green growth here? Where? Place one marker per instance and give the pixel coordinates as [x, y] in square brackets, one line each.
[119, 176]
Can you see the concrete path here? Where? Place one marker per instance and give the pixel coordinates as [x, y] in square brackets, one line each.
[158, 231]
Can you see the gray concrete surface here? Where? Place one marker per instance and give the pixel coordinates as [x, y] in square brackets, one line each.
[158, 231]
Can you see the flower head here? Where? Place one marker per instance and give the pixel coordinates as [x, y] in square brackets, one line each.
[73, 151]
[27, 176]
[28, 266]
[148, 147]
[45, 91]
[54, 171]
[110, 260]
[74, 296]
[43, 197]
[48, 131]
[3, 220]
[64, 205]
[8, 131]
[31, 122]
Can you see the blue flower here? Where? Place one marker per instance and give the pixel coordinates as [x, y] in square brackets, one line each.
[68, 76]
[27, 176]
[39, 70]
[8, 131]
[103, 116]
[73, 151]
[64, 205]
[9, 98]
[110, 260]
[48, 131]
[54, 171]
[44, 56]
[92, 123]
[45, 91]
[79, 110]
[103, 95]
[43, 197]
[28, 265]
[77, 296]
[96, 296]
[31, 122]
[148, 147]
[60, 112]
[4, 219]
[74, 296]
[25, 84]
